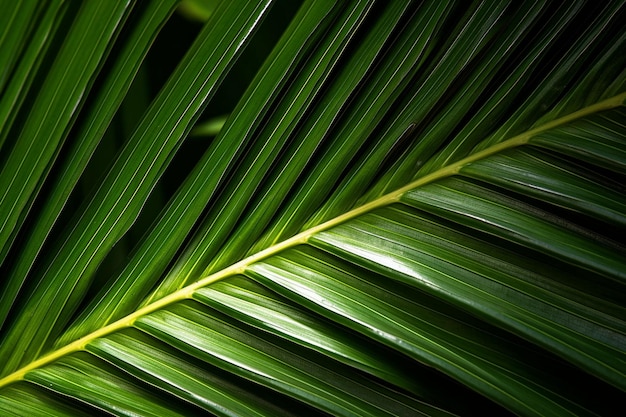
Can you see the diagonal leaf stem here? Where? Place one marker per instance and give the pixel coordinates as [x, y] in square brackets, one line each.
[302, 237]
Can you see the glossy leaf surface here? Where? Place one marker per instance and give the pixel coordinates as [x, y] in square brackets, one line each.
[411, 208]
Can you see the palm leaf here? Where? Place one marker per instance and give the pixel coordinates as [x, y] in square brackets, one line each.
[411, 202]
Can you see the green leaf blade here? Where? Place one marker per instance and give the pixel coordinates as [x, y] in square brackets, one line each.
[57, 103]
[121, 195]
[251, 356]
[414, 208]
[91, 131]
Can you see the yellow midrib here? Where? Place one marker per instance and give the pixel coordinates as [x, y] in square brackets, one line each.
[301, 238]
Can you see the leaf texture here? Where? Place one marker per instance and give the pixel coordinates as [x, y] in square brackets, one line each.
[415, 208]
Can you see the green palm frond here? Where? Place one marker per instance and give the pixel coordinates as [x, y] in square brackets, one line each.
[413, 208]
